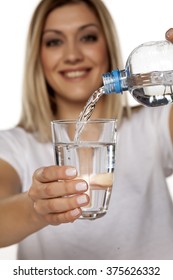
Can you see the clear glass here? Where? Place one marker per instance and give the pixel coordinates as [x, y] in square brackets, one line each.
[148, 74]
[93, 155]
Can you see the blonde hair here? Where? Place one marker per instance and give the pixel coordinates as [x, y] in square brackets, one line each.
[39, 106]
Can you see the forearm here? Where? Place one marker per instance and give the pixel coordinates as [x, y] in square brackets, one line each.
[18, 219]
[53, 198]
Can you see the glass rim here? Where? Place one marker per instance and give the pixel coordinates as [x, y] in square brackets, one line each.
[98, 120]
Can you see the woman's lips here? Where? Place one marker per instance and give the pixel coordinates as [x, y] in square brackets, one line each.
[75, 74]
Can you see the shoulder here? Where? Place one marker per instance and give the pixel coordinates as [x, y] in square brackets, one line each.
[17, 140]
[13, 132]
[16, 134]
[147, 122]
[151, 115]
[20, 148]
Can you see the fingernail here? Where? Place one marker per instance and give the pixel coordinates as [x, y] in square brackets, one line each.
[70, 171]
[75, 212]
[82, 199]
[81, 186]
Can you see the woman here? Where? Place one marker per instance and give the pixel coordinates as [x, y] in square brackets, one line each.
[70, 44]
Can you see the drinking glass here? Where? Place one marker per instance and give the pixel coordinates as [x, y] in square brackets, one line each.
[90, 147]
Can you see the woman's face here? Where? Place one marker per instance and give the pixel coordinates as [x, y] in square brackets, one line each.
[73, 52]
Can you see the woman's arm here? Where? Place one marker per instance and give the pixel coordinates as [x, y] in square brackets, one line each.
[53, 198]
[17, 218]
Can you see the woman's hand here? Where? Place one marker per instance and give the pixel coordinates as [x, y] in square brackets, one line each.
[57, 194]
[169, 35]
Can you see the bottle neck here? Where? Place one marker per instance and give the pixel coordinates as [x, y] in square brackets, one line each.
[115, 81]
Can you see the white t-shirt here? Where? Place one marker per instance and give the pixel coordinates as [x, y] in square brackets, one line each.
[139, 222]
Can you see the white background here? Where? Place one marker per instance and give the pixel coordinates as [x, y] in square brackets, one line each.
[137, 22]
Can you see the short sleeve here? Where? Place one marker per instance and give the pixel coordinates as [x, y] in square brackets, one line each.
[11, 149]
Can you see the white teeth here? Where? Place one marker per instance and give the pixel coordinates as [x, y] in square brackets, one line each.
[75, 74]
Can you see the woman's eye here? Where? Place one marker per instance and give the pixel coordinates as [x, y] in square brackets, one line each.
[89, 38]
[53, 42]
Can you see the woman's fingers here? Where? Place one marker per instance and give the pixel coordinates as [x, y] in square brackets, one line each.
[53, 173]
[60, 204]
[55, 181]
[58, 189]
[169, 35]
[66, 217]
[57, 194]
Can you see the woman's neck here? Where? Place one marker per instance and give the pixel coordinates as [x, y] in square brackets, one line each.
[73, 110]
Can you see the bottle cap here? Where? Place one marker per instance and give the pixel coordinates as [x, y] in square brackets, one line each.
[117, 84]
[111, 81]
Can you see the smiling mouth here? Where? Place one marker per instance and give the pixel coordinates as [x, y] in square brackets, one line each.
[75, 74]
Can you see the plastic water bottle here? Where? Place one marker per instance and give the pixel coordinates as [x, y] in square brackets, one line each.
[148, 74]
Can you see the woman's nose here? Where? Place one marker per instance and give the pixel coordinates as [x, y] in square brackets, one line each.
[73, 54]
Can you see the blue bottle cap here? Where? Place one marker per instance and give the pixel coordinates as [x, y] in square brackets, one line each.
[111, 81]
[117, 84]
